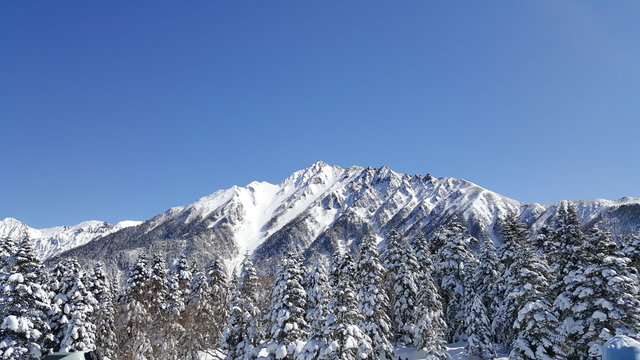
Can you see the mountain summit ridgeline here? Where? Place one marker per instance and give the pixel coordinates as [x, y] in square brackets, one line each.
[314, 210]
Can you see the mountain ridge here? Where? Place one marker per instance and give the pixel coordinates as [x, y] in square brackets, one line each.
[49, 242]
[323, 207]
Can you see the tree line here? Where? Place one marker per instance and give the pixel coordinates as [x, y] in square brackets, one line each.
[556, 293]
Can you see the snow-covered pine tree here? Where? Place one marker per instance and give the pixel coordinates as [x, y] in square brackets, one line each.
[197, 318]
[24, 304]
[600, 298]
[479, 297]
[564, 241]
[424, 257]
[554, 249]
[233, 288]
[205, 312]
[542, 241]
[505, 311]
[72, 323]
[373, 302]
[347, 340]
[535, 324]
[401, 283]
[8, 248]
[103, 316]
[486, 275]
[632, 249]
[180, 278]
[570, 255]
[164, 325]
[435, 243]
[179, 285]
[134, 314]
[241, 335]
[478, 329]
[219, 293]
[286, 318]
[621, 287]
[438, 240]
[430, 327]
[536, 337]
[318, 297]
[456, 264]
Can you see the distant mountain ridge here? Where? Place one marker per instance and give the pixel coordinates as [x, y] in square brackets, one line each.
[53, 241]
[317, 210]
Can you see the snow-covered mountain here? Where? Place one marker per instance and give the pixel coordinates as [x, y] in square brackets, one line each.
[323, 207]
[56, 240]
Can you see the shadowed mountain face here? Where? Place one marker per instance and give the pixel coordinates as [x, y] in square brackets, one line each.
[323, 207]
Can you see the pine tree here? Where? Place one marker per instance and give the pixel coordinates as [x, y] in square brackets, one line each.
[486, 275]
[8, 248]
[173, 333]
[599, 298]
[620, 287]
[241, 335]
[438, 241]
[179, 285]
[565, 239]
[197, 318]
[542, 241]
[479, 297]
[318, 297]
[401, 285]
[455, 264]
[430, 327]
[24, 304]
[535, 324]
[164, 324]
[424, 257]
[505, 311]
[287, 311]
[206, 310]
[373, 303]
[134, 314]
[347, 340]
[219, 293]
[104, 312]
[569, 253]
[72, 323]
[478, 329]
[632, 249]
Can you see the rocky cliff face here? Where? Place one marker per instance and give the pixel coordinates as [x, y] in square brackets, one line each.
[323, 207]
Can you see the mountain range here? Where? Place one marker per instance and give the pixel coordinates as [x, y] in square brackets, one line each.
[314, 210]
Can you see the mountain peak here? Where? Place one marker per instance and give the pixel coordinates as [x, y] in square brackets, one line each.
[318, 165]
[316, 209]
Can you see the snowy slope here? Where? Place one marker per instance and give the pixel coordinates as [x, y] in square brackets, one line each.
[55, 240]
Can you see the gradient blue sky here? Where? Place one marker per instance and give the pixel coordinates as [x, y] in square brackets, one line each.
[118, 110]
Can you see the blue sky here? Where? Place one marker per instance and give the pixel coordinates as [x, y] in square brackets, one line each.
[119, 110]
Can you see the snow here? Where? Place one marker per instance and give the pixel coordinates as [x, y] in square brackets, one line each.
[49, 242]
[16, 278]
[621, 348]
[17, 324]
[455, 350]
[599, 315]
[10, 322]
[281, 352]
[125, 224]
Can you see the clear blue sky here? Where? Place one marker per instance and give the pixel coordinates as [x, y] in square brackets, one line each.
[116, 110]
